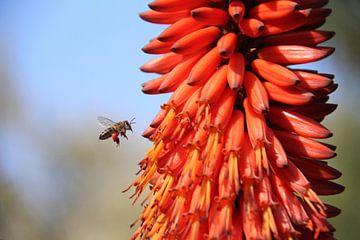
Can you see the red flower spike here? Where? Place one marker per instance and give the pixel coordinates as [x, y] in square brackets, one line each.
[175, 5]
[157, 47]
[163, 17]
[291, 203]
[326, 187]
[311, 81]
[148, 132]
[320, 170]
[162, 64]
[256, 125]
[179, 73]
[235, 132]
[222, 110]
[251, 27]
[179, 29]
[294, 54]
[315, 110]
[182, 93]
[236, 69]
[227, 44]
[275, 150]
[297, 123]
[286, 24]
[332, 211]
[312, 3]
[234, 155]
[210, 16]
[247, 167]
[308, 38]
[274, 73]
[303, 4]
[317, 17]
[196, 40]
[303, 147]
[159, 117]
[152, 86]
[291, 95]
[256, 92]
[214, 86]
[236, 10]
[190, 107]
[205, 67]
[273, 10]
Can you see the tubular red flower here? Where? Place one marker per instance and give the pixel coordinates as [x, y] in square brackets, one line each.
[234, 155]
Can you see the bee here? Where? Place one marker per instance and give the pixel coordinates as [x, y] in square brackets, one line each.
[114, 129]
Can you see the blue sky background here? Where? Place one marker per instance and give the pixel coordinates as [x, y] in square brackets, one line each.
[71, 57]
[72, 60]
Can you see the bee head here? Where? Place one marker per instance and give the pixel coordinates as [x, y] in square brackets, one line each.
[128, 124]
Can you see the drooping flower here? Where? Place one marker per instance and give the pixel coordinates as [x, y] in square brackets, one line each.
[235, 153]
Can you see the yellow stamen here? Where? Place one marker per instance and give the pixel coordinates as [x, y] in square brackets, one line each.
[164, 196]
[191, 164]
[158, 226]
[195, 227]
[205, 198]
[234, 170]
[228, 213]
[261, 159]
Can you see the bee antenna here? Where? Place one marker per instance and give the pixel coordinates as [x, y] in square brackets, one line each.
[132, 121]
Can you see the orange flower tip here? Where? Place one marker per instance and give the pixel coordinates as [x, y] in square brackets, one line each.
[313, 4]
[328, 75]
[236, 17]
[235, 86]
[328, 50]
[163, 89]
[156, 5]
[174, 49]
[332, 147]
[143, 15]
[194, 14]
[145, 49]
[329, 34]
[152, 5]
[147, 90]
[162, 38]
[323, 12]
[155, 123]
[321, 100]
[148, 132]
[143, 68]
[297, 6]
[224, 53]
[330, 134]
[326, 188]
[332, 211]
[296, 81]
[192, 81]
[334, 87]
[264, 110]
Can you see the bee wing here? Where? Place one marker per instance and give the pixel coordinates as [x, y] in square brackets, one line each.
[105, 122]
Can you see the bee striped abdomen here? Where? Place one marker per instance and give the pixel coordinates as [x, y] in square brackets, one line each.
[106, 133]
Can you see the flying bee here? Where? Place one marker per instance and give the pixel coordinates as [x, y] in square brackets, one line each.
[114, 129]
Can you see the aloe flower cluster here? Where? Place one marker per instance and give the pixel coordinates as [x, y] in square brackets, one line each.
[236, 151]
